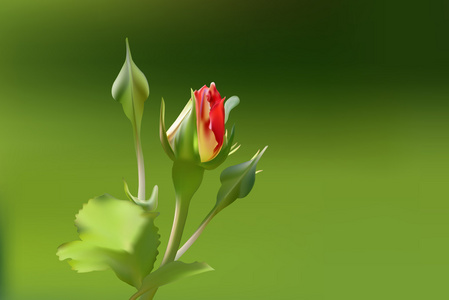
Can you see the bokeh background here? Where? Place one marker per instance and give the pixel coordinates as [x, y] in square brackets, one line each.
[351, 97]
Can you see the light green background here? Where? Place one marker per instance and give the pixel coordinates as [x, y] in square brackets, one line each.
[350, 96]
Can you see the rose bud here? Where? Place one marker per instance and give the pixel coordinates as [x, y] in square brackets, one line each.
[198, 135]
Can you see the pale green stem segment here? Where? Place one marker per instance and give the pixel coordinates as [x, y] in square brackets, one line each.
[187, 178]
[140, 165]
[196, 235]
[181, 211]
[237, 181]
[147, 296]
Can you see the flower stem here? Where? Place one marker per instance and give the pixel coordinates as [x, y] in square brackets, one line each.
[147, 296]
[196, 235]
[187, 178]
[140, 165]
[181, 211]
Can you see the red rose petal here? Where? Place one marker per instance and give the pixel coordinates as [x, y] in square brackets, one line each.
[210, 121]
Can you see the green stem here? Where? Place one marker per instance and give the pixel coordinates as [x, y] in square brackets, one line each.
[197, 233]
[147, 296]
[187, 178]
[181, 211]
[140, 165]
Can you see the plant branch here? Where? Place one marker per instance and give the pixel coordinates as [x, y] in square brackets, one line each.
[181, 211]
[197, 233]
[140, 165]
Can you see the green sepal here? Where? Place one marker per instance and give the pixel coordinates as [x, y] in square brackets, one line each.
[187, 178]
[163, 133]
[222, 155]
[150, 204]
[114, 234]
[131, 89]
[169, 273]
[186, 138]
[237, 181]
[229, 105]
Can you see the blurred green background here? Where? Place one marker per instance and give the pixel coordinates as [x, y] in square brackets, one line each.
[351, 97]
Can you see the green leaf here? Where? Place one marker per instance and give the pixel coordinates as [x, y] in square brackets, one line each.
[115, 234]
[186, 138]
[169, 273]
[237, 181]
[163, 133]
[229, 105]
[131, 90]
